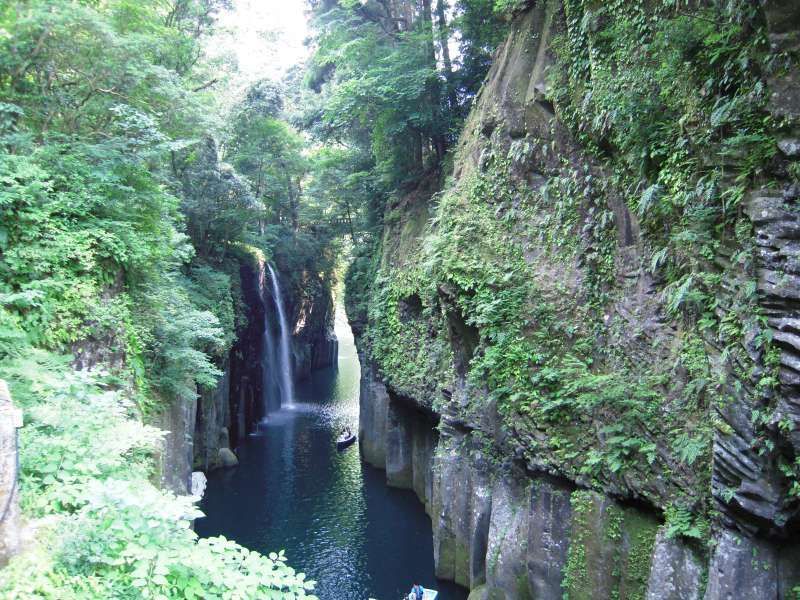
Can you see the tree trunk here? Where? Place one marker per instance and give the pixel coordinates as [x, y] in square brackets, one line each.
[434, 88]
[444, 40]
[295, 206]
[417, 150]
[350, 221]
[427, 25]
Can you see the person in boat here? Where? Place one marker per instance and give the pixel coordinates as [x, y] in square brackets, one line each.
[417, 592]
[346, 434]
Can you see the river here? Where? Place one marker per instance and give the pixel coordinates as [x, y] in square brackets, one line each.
[335, 516]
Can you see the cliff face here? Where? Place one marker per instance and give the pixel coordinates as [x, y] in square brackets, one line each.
[599, 310]
[314, 342]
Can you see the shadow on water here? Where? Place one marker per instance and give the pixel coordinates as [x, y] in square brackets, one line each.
[336, 518]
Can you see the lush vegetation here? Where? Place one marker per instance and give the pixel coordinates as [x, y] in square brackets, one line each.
[133, 188]
[122, 227]
[132, 192]
[508, 280]
[103, 529]
[388, 90]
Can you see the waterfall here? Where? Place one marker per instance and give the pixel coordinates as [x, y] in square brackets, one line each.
[268, 367]
[285, 362]
[268, 358]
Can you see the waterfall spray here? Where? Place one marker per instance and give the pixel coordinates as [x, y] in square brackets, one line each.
[285, 362]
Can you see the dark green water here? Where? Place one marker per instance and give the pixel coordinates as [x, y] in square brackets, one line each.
[336, 518]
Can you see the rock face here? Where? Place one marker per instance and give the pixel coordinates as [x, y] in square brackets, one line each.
[227, 458]
[178, 420]
[663, 462]
[511, 534]
[320, 352]
[246, 378]
[312, 312]
[10, 421]
[212, 424]
[199, 430]
[676, 572]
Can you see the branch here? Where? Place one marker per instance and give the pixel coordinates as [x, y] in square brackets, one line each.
[699, 17]
[113, 92]
[205, 85]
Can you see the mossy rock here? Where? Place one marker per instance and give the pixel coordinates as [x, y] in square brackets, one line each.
[610, 550]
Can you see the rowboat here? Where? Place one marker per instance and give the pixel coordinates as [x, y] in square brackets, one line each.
[345, 441]
[428, 594]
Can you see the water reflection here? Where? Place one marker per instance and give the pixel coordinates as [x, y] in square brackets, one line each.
[336, 518]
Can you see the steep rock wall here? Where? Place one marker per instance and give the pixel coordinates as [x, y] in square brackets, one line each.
[611, 391]
[507, 533]
[315, 344]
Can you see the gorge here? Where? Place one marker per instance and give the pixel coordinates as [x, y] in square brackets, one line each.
[294, 490]
[542, 255]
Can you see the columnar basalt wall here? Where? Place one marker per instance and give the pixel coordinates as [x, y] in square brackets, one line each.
[246, 379]
[213, 424]
[176, 452]
[312, 311]
[319, 353]
[507, 533]
[660, 463]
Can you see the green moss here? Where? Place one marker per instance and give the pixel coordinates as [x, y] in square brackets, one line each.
[608, 543]
[445, 566]
[518, 264]
[576, 583]
[462, 563]
[640, 537]
[523, 588]
[479, 593]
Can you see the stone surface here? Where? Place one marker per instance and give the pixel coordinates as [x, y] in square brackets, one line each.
[548, 538]
[479, 593]
[676, 573]
[246, 393]
[460, 533]
[424, 441]
[314, 341]
[741, 567]
[177, 447]
[10, 518]
[789, 570]
[211, 426]
[506, 536]
[506, 554]
[481, 503]
[227, 458]
[373, 413]
[399, 449]
[315, 353]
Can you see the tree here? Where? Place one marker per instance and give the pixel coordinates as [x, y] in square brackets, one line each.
[386, 85]
[268, 151]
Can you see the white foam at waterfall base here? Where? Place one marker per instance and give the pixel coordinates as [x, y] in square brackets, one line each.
[284, 357]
